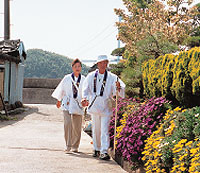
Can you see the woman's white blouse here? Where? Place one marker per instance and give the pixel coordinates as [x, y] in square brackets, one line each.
[64, 93]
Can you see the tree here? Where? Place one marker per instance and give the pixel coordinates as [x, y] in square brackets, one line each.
[159, 29]
[150, 29]
[194, 37]
[44, 64]
[118, 51]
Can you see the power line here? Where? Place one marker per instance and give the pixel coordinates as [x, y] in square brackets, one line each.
[92, 39]
[98, 43]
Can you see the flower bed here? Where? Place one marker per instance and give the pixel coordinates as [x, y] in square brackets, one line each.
[175, 145]
[136, 121]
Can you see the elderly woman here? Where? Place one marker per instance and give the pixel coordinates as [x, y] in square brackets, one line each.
[68, 95]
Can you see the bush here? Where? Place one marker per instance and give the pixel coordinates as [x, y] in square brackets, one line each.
[134, 124]
[175, 145]
[131, 76]
[175, 77]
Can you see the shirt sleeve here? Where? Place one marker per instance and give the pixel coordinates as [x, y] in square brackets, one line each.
[59, 92]
[86, 87]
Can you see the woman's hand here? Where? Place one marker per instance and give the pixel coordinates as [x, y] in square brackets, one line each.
[84, 102]
[58, 104]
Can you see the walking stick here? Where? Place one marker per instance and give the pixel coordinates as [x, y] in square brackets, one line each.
[4, 106]
[115, 120]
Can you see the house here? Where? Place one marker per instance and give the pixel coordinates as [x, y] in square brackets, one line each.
[12, 56]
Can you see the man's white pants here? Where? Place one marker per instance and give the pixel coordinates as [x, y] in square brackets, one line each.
[100, 133]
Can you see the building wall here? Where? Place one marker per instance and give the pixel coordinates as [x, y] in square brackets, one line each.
[1, 86]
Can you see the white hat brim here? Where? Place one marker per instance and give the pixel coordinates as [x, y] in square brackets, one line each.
[101, 60]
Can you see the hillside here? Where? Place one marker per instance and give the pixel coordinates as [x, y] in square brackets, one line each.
[44, 64]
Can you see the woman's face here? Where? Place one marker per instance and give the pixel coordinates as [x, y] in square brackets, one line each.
[76, 68]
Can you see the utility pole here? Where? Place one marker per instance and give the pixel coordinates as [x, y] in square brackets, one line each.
[7, 64]
[6, 19]
[118, 57]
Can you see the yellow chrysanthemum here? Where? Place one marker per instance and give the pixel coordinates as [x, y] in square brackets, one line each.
[177, 109]
[189, 143]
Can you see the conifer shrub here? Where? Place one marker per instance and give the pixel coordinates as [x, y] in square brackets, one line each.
[175, 77]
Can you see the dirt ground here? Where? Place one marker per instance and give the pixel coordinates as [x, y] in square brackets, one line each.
[34, 143]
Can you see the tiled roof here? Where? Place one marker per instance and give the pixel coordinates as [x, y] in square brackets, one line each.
[9, 50]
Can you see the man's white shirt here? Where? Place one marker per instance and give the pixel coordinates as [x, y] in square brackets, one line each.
[100, 105]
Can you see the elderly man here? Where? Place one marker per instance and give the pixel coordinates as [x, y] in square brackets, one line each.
[98, 89]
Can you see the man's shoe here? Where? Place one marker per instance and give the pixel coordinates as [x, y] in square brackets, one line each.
[96, 153]
[104, 156]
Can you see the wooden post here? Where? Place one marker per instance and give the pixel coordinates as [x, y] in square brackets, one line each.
[4, 106]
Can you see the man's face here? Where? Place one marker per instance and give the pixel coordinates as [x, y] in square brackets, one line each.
[102, 65]
[76, 68]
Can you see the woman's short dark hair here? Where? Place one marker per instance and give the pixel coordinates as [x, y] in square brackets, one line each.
[76, 61]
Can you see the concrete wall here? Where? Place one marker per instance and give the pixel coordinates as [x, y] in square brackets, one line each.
[38, 91]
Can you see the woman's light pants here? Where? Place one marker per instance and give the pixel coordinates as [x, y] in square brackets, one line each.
[72, 130]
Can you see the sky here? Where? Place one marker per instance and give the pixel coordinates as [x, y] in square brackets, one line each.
[80, 29]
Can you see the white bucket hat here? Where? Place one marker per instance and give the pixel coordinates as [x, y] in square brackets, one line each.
[101, 58]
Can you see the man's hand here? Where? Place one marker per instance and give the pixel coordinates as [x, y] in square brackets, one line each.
[118, 85]
[84, 102]
[58, 104]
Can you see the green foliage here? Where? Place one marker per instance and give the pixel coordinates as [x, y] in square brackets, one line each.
[117, 68]
[6, 118]
[174, 146]
[118, 51]
[149, 30]
[176, 77]
[141, 3]
[193, 41]
[132, 79]
[155, 45]
[44, 64]
[131, 60]
[131, 76]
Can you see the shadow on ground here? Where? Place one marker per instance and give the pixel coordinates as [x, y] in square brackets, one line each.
[18, 115]
[89, 156]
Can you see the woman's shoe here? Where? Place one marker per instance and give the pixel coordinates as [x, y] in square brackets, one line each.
[75, 150]
[67, 150]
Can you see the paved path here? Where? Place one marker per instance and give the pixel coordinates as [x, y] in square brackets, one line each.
[34, 144]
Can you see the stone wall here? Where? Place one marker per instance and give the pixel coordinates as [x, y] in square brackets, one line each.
[38, 91]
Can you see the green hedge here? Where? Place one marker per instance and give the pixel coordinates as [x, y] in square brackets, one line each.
[176, 77]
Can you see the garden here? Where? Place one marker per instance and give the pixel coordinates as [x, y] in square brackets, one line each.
[158, 122]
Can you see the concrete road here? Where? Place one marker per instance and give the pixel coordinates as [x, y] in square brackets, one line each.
[34, 143]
